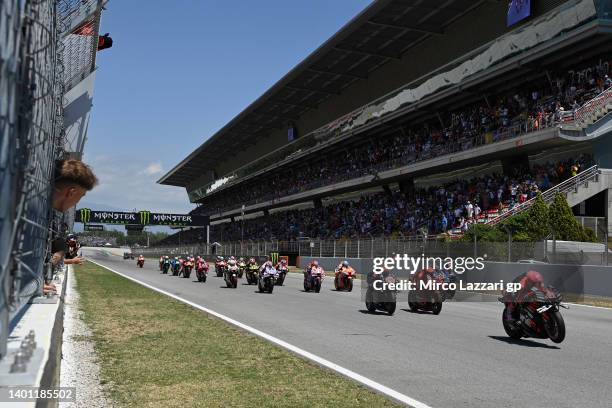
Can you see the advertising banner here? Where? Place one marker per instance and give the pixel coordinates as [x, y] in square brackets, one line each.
[144, 217]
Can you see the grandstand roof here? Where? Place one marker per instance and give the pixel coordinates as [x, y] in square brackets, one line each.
[384, 31]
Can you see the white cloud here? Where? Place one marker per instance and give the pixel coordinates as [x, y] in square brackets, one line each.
[153, 168]
[124, 184]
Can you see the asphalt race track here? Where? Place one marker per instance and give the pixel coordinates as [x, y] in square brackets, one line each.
[461, 358]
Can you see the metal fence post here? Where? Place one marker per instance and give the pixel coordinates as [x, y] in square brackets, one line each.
[345, 248]
[372, 249]
[320, 249]
[606, 245]
[358, 248]
[334, 248]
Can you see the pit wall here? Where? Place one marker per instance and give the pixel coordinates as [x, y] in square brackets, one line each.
[578, 279]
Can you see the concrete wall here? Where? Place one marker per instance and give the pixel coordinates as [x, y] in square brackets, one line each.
[579, 279]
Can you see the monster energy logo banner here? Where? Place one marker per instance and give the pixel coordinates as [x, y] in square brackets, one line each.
[86, 215]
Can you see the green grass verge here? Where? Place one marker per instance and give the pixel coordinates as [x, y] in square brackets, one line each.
[157, 352]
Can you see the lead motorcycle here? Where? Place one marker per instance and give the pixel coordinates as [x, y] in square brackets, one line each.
[313, 279]
[381, 298]
[267, 279]
[538, 316]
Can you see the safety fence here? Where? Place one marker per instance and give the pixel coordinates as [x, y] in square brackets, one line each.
[31, 139]
[541, 251]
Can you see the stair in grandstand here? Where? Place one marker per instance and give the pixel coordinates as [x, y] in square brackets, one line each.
[576, 189]
[589, 113]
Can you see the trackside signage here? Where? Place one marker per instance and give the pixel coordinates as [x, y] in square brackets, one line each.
[144, 217]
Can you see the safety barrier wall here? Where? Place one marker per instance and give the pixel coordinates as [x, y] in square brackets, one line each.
[575, 279]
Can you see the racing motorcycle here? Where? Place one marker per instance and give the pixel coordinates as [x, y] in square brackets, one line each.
[176, 268]
[425, 299]
[538, 316]
[282, 273]
[140, 262]
[166, 266]
[267, 279]
[443, 276]
[230, 275]
[161, 263]
[383, 299]
[344, 279]
[242, 267]
[220, 268]
[201, 270]
[251, 273]
[187, 268]
[313, 279]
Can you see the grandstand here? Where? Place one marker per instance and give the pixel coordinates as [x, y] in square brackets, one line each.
[407, 99]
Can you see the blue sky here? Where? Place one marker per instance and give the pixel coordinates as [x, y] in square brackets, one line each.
[178, 71]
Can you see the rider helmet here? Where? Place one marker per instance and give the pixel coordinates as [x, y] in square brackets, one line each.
[345, 263]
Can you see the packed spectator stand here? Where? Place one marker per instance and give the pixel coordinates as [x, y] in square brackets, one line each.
[453, 206]
[535, 106]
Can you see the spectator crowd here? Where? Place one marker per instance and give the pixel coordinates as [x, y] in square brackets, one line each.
[534, 107]
[435, 209]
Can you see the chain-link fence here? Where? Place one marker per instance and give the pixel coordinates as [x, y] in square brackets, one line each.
[31, 90]
[549, 251]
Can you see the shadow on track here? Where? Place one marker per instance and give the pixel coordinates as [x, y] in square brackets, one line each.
[377, 312]
[524, 342]
[426, 312]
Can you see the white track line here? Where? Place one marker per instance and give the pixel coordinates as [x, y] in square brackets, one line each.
[591, 306]
[319, 360]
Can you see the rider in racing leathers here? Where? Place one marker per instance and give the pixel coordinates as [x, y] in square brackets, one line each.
[281, 264]
[527, 280]
[344, 267]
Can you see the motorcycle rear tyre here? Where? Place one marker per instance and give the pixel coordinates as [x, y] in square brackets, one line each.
[512, 331]
[436, 308]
